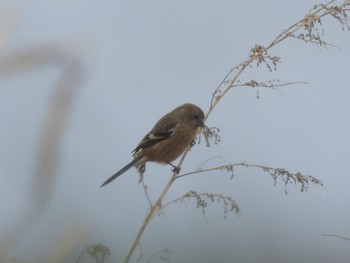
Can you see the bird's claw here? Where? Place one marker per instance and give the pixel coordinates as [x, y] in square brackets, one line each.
[176, 170]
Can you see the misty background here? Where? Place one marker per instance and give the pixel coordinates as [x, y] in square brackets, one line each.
[137, 60]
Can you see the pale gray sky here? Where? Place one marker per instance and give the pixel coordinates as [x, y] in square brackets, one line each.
[142, 59]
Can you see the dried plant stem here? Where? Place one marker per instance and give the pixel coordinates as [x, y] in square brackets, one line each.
[144, 186]
[259, 53]
[221, 167]
[153, 210]
[149, 217]
[337, 236]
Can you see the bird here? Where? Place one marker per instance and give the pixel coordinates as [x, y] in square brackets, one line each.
[167, 140]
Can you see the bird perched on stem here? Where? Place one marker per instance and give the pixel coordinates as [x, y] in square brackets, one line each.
[168, 139]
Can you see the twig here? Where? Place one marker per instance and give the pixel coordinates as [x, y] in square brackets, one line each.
[260, 53]
[146, 192]
[286, 176]
[337, 236]
[154, 208]
[230, 205]
[227, 167]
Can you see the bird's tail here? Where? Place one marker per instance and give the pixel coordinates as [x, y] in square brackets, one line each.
[134, 162]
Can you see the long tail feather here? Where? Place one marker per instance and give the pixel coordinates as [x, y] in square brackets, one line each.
[123, 170]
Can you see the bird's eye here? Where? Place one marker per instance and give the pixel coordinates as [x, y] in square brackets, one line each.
[195, 117]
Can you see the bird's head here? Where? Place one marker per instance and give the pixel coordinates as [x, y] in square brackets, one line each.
[193, 115]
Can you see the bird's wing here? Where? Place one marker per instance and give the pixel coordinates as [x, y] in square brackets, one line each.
[161, 131]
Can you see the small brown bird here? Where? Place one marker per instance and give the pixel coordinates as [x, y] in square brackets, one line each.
[167, 140]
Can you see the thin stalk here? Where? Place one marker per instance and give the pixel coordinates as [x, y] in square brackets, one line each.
[153, 210]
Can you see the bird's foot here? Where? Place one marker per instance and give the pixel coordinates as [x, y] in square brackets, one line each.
[175, 169]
